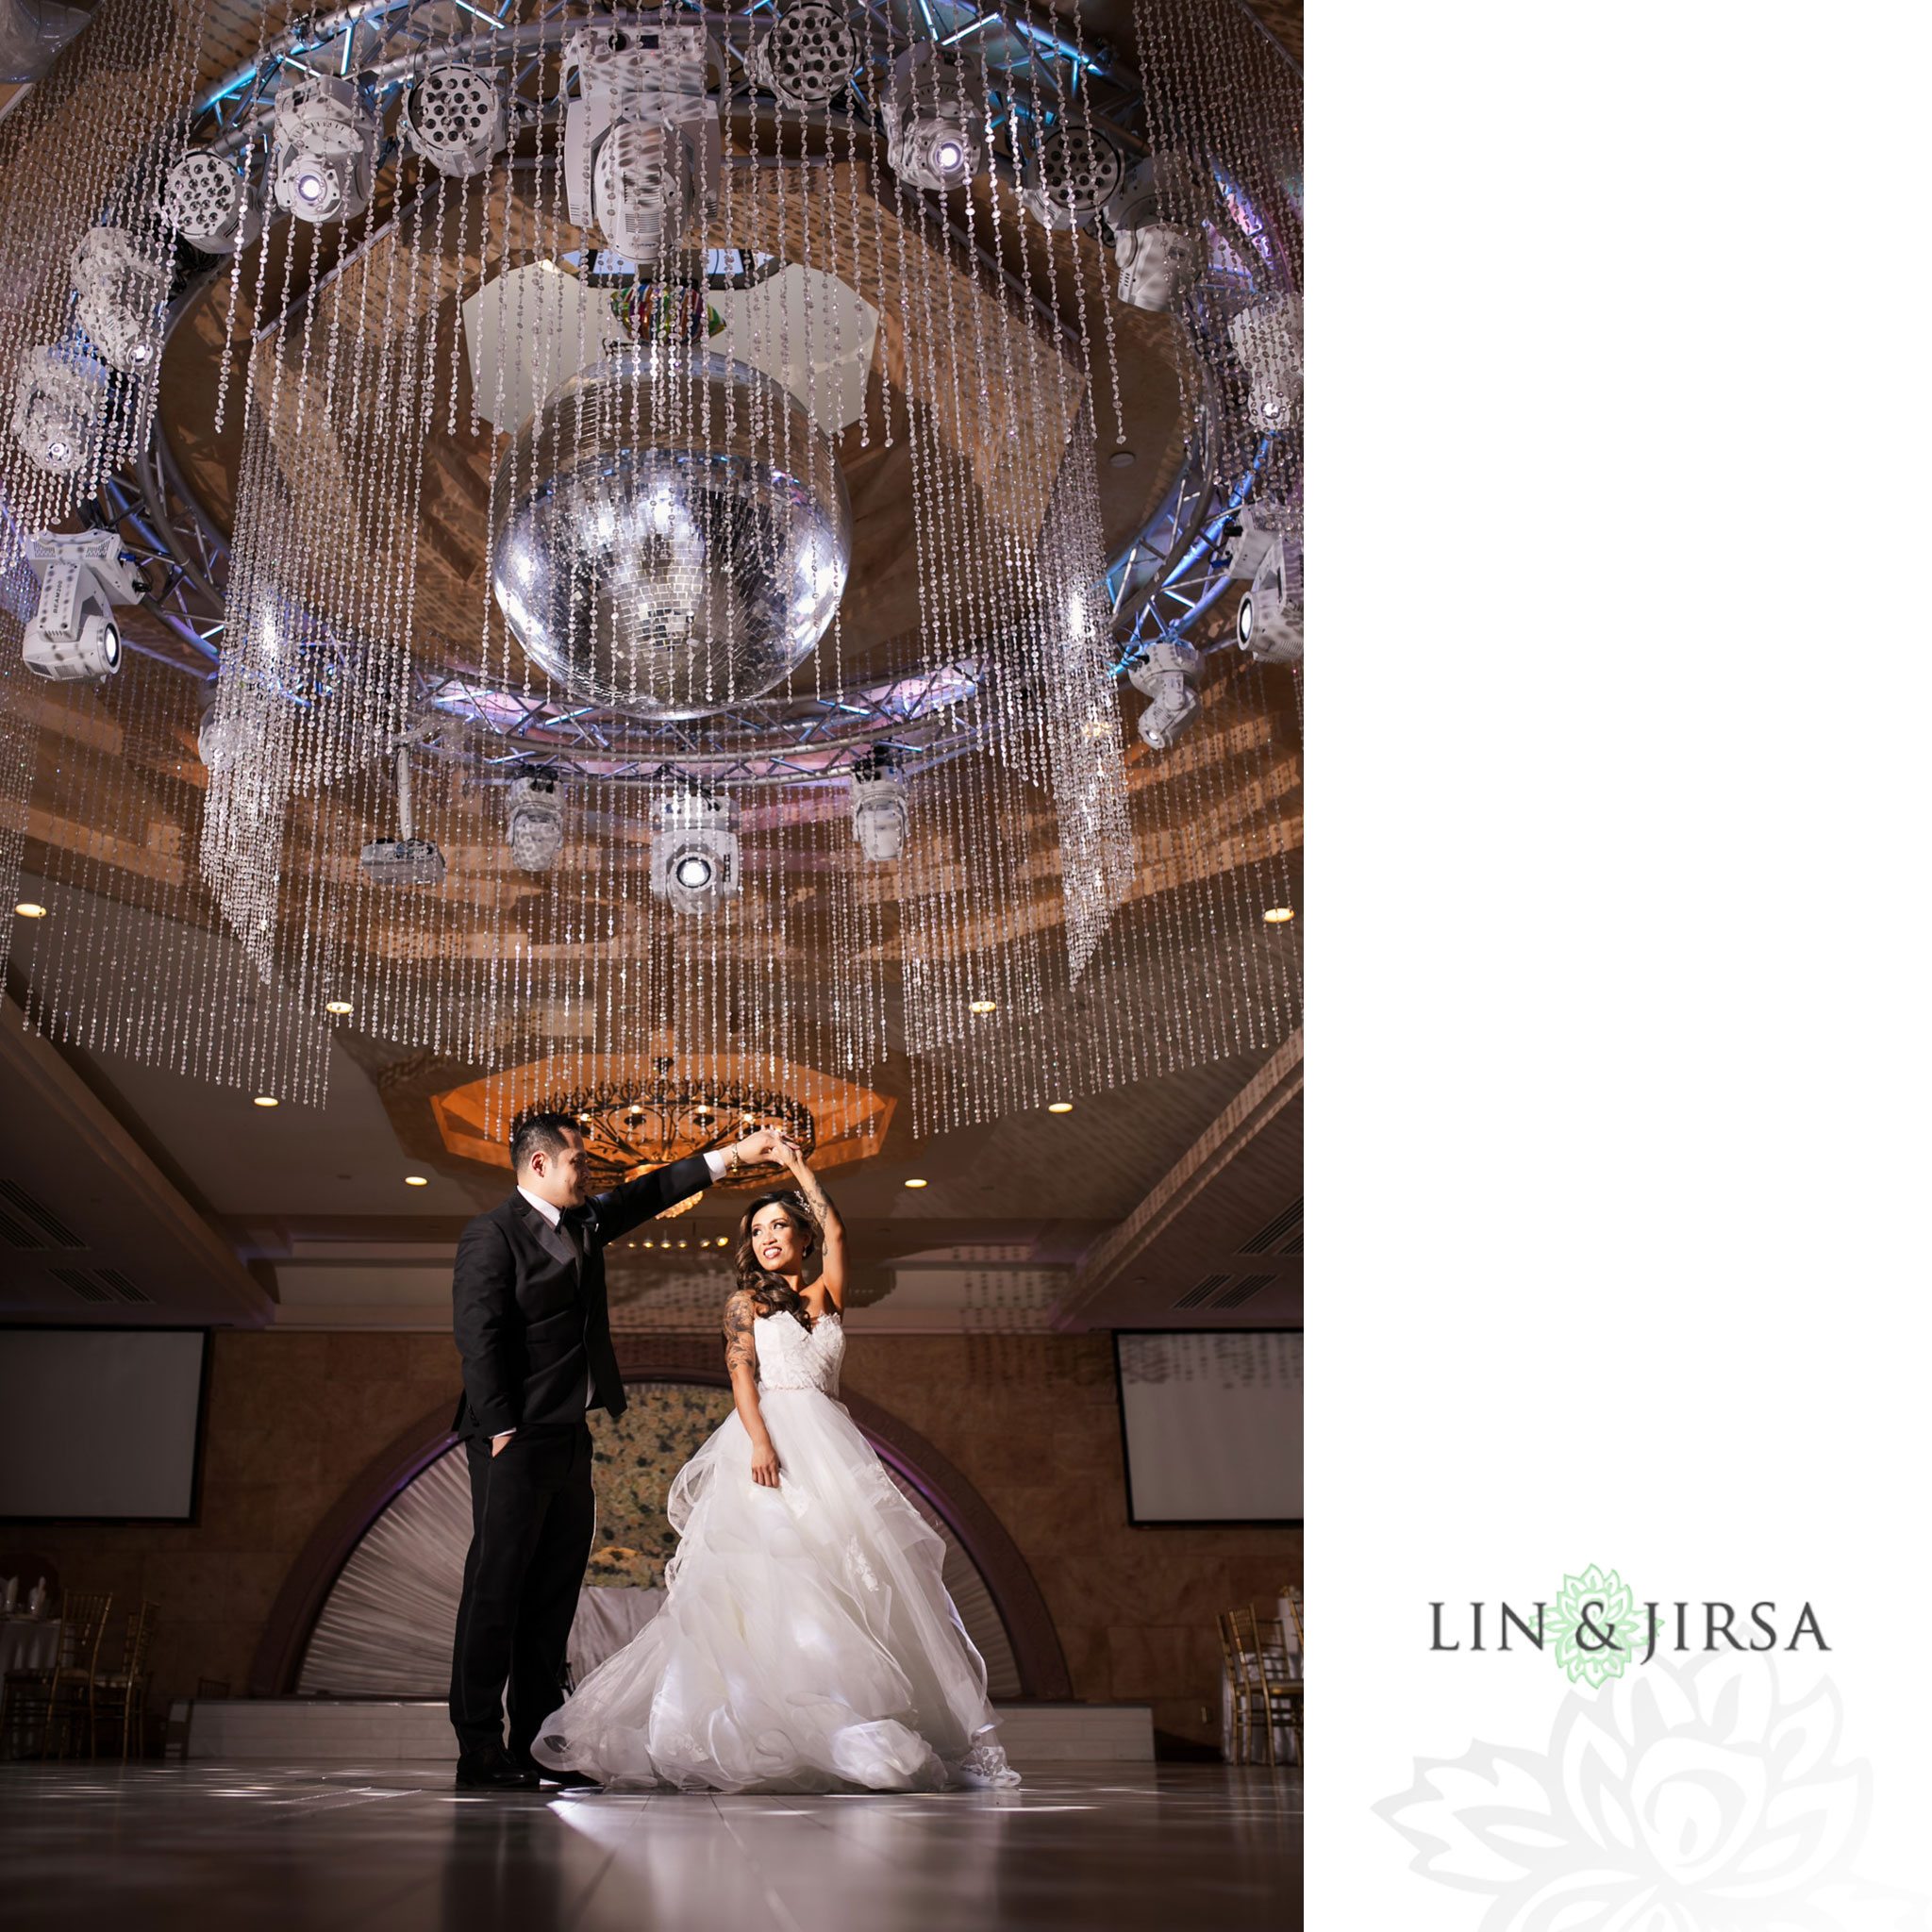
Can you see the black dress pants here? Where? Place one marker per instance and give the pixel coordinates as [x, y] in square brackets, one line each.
[533, 1513]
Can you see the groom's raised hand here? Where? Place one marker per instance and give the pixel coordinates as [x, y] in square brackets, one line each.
[767, 1144]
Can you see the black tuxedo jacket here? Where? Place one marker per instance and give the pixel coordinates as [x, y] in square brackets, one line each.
[531, 1320]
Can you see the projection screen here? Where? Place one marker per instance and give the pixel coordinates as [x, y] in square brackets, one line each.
[1212, 1425]
[100, 1424]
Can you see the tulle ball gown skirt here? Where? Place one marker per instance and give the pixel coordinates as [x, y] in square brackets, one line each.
[805, 1642]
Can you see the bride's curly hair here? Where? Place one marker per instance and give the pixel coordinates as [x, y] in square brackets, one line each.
[772, 1294]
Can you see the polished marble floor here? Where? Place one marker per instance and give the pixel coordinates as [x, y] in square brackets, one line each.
[390, 1848]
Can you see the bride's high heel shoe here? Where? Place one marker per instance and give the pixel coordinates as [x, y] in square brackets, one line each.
[985, 1768]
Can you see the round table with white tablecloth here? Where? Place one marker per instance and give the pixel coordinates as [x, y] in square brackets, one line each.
[29, 1643]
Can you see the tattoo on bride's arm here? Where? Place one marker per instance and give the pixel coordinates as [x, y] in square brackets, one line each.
[739, 1351]
[815, 1196]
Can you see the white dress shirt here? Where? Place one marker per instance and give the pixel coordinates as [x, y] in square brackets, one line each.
[716, 1162]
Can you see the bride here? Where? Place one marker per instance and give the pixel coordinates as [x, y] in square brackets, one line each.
[805, 1642]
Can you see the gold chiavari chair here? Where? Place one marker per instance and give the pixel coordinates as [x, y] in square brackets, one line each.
[1270, 1697]
[120, 1697]
[1242, 1711]
[66, 1692]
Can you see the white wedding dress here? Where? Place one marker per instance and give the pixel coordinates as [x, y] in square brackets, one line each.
[805, 1642]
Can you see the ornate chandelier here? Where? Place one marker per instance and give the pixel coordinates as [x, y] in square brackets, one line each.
[660, 481]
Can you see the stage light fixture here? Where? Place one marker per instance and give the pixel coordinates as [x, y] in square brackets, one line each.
[120, 293]
[1156, 235]
[59, 397]
[807, 57]
[1266, 339]
[695, 860]
[535, 821]
[1166, 674]
[878, 813]
[210, 205]
[1072, 177]
[72, 634]
[408, 861]
[221, 739]
[326, 138]
[1269, 623]
[456, 117]
[935, 115]
[642, 150]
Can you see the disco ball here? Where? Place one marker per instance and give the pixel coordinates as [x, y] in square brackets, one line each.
[683, 537]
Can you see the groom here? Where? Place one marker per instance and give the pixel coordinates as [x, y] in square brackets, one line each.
[534, 1336]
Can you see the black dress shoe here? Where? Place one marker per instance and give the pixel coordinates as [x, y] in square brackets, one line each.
[563, 1780]
[493, 1771]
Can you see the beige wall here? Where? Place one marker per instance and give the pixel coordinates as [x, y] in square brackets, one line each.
[1032, 1421]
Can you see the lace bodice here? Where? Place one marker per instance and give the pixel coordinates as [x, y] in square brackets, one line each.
[792, 1358]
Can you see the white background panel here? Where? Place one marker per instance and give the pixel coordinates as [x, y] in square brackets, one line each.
[98, 1421]
[1213, 1427]
[1618, 844]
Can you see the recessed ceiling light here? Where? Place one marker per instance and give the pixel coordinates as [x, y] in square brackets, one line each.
[1122, 460]
[1061, 1106]
[415, 1180]
[27, 910]
[985, 1007]
[266, 1100]
[339, 1007]
[915, 1184]
[680, 1244]
[1279, 915]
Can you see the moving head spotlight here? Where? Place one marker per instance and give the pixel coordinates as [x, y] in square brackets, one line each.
[1158, 252]
[59, 400]
[1167, 675]
[72, 634]
[536, 823]
[1269, 625]
[1267, 339]
[120, 293]
[642, 154]
[210, 205]
[326, 137]
[456, 119]
[879, 814]
[408, 861]
[696, 860]
[1270, 621]
[807, 57]
[934, 115]
[220, 740]
[1076, 171]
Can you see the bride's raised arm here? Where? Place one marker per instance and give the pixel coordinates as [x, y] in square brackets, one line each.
[812, 1191]
[742, 1360]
